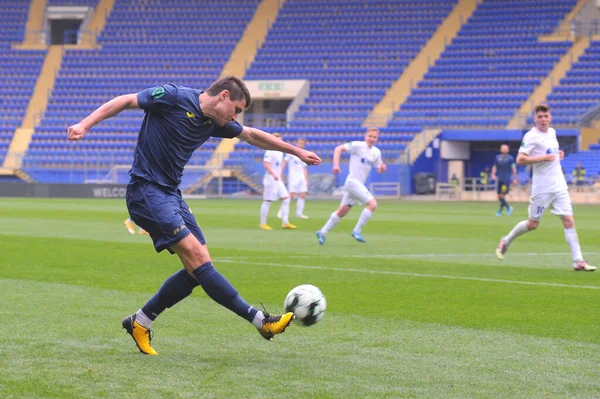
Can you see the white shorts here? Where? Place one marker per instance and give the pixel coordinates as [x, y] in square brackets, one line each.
[560, 202]
[297, 185]
[273, 190]
[355, 192]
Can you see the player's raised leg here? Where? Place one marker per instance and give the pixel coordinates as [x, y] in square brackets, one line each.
[333, 220]
[196, 261]
[520, 228]
[365, 215]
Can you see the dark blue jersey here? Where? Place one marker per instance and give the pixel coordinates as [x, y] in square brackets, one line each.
[504, 167]
[173, 128]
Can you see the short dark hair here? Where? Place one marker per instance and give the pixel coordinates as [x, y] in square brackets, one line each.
[542, 108]
[236, 87]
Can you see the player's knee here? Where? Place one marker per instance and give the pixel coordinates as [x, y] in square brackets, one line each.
[532, 224]
[568, 222]
[372, 205]
[343, 211]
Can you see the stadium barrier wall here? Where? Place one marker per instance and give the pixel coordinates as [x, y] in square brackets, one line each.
[43, 190]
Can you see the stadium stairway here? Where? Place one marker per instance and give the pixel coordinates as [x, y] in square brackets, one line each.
[37, 105]
[241, 57]
[38, 101]
[564, 28]
[553, 79]
[400, 90]
[35, 21]
[589, 136]
[418, 144]
[103, 10]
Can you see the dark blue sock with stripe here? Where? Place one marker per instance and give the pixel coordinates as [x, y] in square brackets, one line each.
[221, 291]
[173, 290]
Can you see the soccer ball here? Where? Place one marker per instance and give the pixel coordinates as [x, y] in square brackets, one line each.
[308, 304]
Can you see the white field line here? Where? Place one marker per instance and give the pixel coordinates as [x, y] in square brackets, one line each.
[396, 273]
[402, 256]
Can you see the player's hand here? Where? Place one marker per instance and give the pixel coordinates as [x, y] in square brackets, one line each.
[382, 168]
[493, 177]
[561, 153]
[336, 169]
[309, 158]
[76, 132]
[550, 157]
[276, 177]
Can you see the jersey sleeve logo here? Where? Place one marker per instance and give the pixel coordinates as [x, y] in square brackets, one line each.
[158, 92]
[190, 115]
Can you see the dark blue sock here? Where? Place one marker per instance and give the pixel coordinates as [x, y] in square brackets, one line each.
[221, 291]
[506, 204]
[173, 290]
[501, 204]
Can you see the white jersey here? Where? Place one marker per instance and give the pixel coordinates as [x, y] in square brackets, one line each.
[275, 160]
[296, 167]
[362, 158]
[547, 176]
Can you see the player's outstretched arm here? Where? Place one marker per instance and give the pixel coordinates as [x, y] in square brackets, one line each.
[337, 153]
[524, 159]
[105, 111]
[264, 140]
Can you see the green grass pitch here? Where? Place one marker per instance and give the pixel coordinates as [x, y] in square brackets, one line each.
[422, 310]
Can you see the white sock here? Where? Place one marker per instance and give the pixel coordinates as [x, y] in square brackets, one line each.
[142, 319]
[285, 211]
[365, 215]
[300, 207]
[264, 211]
[519, 229]
[573, 240]
[258, 319]
[333, 220]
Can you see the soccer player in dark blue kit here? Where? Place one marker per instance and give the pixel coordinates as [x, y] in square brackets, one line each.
[505, 172]
[177, 121]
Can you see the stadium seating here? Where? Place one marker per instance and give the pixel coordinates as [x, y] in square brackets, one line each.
[352, 52]
[143, 45]
[590, 160]
[579, 90]
[19, 70]
[489, 69]
[480, 80]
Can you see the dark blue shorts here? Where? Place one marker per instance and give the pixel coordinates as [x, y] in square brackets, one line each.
[503, 187]
[162, 212]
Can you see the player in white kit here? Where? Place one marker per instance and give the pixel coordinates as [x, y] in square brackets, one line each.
[549, 188]
[297, 180]
[363, 155]
[273, 188]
